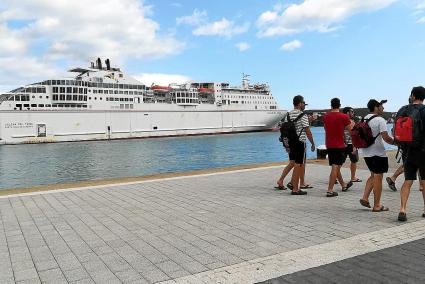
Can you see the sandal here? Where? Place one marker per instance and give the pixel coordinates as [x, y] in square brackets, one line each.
[307, 186]
[365, 203]
[356, 180]
[331, 194]
[382, 209]
[290, 186]
[280, 187]
[347, 186]
[391, 184]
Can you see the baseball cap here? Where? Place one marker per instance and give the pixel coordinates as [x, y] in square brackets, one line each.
[374, 103]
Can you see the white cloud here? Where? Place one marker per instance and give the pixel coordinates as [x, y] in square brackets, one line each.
[313, 15]
[242, 46]
[292, 45]
[76, 31]
[161, 79]
[223, 27]
[421, 20]
[195, 19]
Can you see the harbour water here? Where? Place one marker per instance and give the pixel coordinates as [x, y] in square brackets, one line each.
[42, 164]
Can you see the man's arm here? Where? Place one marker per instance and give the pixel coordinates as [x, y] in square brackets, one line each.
[387, 138]
[310, 138]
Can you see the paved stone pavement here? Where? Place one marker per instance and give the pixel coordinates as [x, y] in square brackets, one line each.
[399, 264]
[207, 228]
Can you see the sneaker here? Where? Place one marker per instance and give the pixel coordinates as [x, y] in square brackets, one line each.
[402, 217]
[299, 192]
[391, 184]
[331, 194]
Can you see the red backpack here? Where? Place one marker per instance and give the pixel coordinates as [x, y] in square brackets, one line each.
[408, 128]
[361, 134]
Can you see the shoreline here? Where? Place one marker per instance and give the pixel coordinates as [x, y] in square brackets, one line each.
[135, 179]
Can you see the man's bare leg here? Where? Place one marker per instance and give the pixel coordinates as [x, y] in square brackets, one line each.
[404, 195]
[296, 177]
[397, 173]
[377, 191]
[353, 169]
[368, 188]
[332, 177]
[285, 172]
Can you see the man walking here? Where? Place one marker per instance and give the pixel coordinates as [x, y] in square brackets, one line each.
[296, 147]
[335, 123]
[415, 151]
[375, 156]
[350, 150]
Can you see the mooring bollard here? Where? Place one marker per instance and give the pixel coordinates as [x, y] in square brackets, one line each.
[321, 152]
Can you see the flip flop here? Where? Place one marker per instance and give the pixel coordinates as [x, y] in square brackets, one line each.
[307, 186]
[391, 184]
[280, 187]
[349, 184]
[356, 180]
[365, 203]
[382, 209]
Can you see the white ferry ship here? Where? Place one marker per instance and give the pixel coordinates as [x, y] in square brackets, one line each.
[102, 102]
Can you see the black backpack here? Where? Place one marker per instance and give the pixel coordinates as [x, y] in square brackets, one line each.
[288, 130]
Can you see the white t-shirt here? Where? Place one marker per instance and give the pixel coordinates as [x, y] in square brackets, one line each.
[378, 125]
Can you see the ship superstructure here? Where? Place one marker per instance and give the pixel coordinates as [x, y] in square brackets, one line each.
[102, 102]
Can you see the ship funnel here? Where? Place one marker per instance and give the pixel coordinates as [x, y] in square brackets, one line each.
[99, 63]
[108, 64]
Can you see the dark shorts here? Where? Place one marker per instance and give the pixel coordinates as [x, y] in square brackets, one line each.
[414, 163]
[336, 156]
[376, 164]
[297, 152]
[354, 158]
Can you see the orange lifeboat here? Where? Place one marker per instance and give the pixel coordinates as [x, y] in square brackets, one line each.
[161, 88]
[205, 90]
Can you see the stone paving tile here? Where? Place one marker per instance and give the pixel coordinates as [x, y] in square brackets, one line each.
[399, 264]
[196, 224]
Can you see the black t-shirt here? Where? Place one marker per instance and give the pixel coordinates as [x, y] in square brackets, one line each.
[405, 110]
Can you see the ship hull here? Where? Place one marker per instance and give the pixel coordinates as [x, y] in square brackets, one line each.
[17, 127]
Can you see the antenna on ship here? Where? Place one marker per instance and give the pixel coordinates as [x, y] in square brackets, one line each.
[99, 63]
[108, 64]
[245, 81]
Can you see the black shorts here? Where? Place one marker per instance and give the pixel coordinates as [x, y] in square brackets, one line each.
[336, 156]
[376, 164]
[414, 162]
[297, 152]
[354, 158]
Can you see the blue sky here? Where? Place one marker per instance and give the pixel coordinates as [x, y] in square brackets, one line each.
[321, 49]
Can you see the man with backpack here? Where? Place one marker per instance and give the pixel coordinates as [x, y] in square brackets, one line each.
[295, 130]
[374, 134]
[350, 150]
[409, 131]
[335, 123]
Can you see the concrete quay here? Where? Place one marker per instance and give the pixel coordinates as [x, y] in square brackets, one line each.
[221, 227]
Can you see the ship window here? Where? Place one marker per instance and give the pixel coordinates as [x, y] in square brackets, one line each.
[115, 92]
[48, 105]
[62, 89]
[95, 98]
[94, 91]
[68, 97]
[75, 90]
[100, 98]
[80, 90]
[117, 99]
[121, 106]
[121, 99]
[85, 98]
[26, 105]
[33, 97]
[40, 97]
[131, 106]
[126, 99]
[131, 99]
[120, 92]
[100, 91]
[55, 97]
[131, 92]
[74, 97]
[85, 91]
[55, 89]
[62, 97]
[125, 92]
[41, 105]
[111, 92]
[17, 98]
[127, 106]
